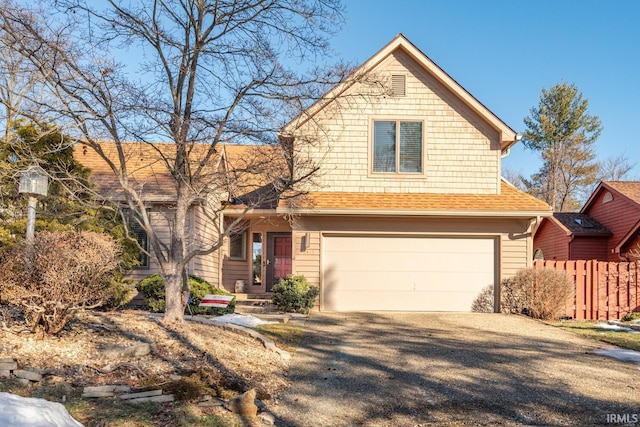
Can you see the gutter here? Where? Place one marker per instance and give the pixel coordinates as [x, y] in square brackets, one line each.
[396, 212]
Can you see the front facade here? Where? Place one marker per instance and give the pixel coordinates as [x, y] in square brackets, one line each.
[409, 212]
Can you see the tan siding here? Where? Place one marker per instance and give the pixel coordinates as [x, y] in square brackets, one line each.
[515, 256]
[462, 152]
[203, 237]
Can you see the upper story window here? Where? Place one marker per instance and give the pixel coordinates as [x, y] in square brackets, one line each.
[397, 146]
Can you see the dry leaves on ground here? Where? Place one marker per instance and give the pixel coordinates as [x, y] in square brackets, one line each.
[227, 362]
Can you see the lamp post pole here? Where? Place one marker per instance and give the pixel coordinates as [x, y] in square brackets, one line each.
[31, 220]
[33, 182]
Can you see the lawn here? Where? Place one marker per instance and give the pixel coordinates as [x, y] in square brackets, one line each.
[590, 329]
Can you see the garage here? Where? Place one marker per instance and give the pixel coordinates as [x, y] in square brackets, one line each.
[405, 273]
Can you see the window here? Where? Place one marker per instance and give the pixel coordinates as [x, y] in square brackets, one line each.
[137, 232]
[397, 147]
[238, 246]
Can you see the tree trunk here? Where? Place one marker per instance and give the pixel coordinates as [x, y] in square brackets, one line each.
[173, 312]
[174, 307]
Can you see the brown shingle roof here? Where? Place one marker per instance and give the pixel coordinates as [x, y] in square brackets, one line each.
[630, 189]
[510, 200]
[249, 166]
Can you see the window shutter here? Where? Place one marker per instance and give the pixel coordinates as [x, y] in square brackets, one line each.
[398, 85]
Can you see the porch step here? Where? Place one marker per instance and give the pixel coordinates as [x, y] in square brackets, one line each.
[265, 296]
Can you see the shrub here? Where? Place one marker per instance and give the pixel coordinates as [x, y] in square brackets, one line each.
[541, 294]
[294, 294]
[153, 290]
[484, 301]
[545, 291]
[630, 317]
[65, 272]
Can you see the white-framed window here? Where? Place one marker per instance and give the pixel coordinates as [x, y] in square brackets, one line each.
[238, 246]
[397, 146]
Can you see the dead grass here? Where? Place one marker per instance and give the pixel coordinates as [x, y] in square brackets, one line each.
[217, 362]
[589, 329]
[285, 335]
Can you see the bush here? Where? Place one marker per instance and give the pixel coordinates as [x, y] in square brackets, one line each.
[153, 290]
[484, 301]
[294, 294]
[541, 294]
[545, 291]
[66, 272]
[630, 317]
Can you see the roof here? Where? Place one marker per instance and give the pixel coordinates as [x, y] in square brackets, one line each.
[627, 189]
[508, 136]
[510, 202]
[580, 224]
[148, 173]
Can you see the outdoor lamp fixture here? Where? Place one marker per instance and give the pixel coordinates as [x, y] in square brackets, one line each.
[34, 182]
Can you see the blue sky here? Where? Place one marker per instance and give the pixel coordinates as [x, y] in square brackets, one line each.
[505, 51]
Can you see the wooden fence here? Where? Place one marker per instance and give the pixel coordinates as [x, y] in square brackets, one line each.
[604, 290]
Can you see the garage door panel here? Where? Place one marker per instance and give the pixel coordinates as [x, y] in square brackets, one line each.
[405, 273]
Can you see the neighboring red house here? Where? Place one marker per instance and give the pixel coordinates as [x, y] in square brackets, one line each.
[607, 228]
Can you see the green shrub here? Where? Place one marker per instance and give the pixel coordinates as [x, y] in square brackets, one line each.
[629, 317]
[152, 289]
[294, 294]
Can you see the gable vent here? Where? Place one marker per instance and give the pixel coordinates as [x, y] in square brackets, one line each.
[398, 85]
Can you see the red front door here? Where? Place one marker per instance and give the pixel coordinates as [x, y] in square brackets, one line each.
[279, 249]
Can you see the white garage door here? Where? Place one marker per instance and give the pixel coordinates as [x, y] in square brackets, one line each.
[405, 273]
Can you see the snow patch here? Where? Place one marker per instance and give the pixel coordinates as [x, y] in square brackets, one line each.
[18, 411]
[241, 319]
[618, 328]
[620, 354]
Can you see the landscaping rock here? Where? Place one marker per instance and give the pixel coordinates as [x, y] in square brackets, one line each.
[137, 350]
[244, 404]
[27, 375]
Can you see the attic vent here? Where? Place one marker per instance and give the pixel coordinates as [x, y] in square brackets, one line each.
[398, 85]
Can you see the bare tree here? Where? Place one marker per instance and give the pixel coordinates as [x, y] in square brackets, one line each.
[211, 72]
[616, 169]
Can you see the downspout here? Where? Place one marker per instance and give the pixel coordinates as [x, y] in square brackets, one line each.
[534, 223]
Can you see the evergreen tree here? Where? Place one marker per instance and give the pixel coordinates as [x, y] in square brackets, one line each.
[561, 129]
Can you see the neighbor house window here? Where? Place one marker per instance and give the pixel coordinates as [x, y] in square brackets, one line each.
[397, 146]
[137, 232]
[238, 246]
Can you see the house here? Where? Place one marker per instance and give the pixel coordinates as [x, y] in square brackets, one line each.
[571, 236]
[409, 211]
[607, 227]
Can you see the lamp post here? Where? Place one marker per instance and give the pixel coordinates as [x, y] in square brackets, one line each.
[34, 182]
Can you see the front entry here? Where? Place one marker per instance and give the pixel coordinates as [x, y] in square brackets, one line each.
[279, 249]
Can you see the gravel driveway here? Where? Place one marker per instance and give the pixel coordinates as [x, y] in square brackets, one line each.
[417, 369]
